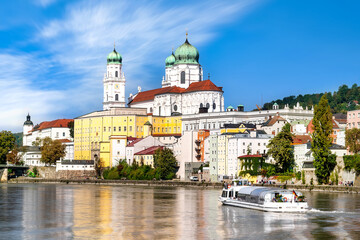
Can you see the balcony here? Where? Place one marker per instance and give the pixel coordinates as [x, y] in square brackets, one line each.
[197, 142]
[198, 156]
[197, 149]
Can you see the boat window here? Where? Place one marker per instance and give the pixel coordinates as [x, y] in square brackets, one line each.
[230, 193]
[224, 194]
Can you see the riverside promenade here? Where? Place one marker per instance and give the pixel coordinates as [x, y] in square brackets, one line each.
[208, 185]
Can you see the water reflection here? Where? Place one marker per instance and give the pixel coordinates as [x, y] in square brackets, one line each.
[49, 211]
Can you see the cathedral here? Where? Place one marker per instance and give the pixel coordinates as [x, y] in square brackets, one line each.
[183, 91]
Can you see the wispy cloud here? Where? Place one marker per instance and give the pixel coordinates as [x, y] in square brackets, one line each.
[76, 45]
[44, 3]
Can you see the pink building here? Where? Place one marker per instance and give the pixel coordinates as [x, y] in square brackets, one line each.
[353, 119]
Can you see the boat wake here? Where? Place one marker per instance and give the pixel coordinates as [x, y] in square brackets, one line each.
[314, 210]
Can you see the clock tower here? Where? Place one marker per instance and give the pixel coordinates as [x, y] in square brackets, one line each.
[114, 82]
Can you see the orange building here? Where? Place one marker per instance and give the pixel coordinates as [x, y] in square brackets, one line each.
[202, 135]
[335, 131]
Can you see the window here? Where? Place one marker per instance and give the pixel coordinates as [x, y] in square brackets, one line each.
[118, 141]
[116, 97]
[208, 105]
[201, 105]
[130, 128]
[57, 134]
[114, 129]
[214, 105]
[182, 77]
[151, 110]
[119, 129]
[125, 129]
[116, 73]
[175, 108]
[63, 134]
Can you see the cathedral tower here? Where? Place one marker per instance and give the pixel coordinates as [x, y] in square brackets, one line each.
[114, 82]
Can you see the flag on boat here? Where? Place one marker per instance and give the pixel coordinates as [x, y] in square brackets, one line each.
[295, 193]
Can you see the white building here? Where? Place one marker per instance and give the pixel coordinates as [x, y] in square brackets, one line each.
[256, 142]
[183, 89]
[114, 82]
[56, 130]
[139, 145]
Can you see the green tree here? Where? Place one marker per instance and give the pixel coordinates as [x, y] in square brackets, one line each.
[7, 143]
[71, 128]
[165, 163]
[352, 140]
[281, 150]
[51, 151]
[15, 156]
[324, 161]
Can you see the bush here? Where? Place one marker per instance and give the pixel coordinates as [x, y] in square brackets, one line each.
[113, 174]
[35, 171]
[303, 177]
[298, 175]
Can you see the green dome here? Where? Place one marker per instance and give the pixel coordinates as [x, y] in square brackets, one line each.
[114, 58]
[170, 60]
[186, 53]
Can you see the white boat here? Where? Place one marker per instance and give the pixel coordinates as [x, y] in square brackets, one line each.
[263, 198]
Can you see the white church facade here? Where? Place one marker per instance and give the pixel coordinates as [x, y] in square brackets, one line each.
[183, 89]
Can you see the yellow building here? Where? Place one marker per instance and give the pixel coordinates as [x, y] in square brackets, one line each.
[146, 156]
[237, 128]
[93, 131]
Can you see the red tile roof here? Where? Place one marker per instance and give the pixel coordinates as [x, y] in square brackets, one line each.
[273, 120]
[64, 140]
[59, 123]
[205, 85]
[150, 95]
[149, 151]
[251, 156]
[167, 135]
[134, 141]
[301, 139]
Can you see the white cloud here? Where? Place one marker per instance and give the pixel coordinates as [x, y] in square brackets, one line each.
[18, 93]
[76, 46]
[44, 3]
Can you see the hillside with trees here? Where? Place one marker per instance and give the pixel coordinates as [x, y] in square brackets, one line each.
[341, 101]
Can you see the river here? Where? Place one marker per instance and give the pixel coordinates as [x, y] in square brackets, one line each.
[60, 211]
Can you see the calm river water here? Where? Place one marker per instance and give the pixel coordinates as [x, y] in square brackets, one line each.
[54, 211]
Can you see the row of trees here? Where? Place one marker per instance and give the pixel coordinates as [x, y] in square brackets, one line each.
[165, 166]
[281, 150]
[341, 101]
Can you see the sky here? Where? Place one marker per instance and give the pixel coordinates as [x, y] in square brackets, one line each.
[53, 52]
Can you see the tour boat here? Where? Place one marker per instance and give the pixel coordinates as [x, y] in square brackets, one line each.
[240, 194]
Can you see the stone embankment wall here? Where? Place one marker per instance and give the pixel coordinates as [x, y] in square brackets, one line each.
[50, 173]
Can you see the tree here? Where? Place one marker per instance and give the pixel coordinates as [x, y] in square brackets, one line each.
[7, 143]
[324, 161]
[71, 128]
[352, 140]
[37, 142]
[165, 163]
[281, 150]
[51, 151]
[15, 156]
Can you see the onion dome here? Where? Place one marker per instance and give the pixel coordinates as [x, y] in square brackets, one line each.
[114, 58]
[28, 121]
[170, 60]
[186, 53]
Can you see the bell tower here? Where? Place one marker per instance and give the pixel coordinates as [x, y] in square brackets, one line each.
[114, 82]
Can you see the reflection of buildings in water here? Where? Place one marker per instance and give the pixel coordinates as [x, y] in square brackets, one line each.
[186, 207]
[92, 211]
[45, 207]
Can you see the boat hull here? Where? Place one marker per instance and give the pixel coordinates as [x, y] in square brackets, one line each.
[295, 207]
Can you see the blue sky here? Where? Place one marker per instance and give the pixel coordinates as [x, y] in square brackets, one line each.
[53, 52]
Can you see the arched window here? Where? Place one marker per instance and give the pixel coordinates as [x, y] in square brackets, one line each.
[182, 77]
[151, 109]
[214, 105]
[201, 105]
[208, 105]
[175, 108]
[116, 73]
[116, 97]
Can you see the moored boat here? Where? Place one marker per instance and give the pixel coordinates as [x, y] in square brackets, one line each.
[263, 198]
